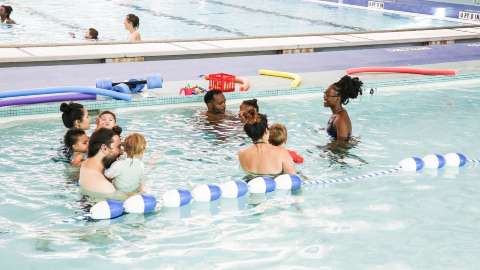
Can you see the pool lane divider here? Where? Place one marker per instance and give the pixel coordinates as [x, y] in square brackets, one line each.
[143, 203]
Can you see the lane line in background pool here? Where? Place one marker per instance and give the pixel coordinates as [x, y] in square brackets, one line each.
[144, 203]
[49, 17]
[183, 19]
[275, 13]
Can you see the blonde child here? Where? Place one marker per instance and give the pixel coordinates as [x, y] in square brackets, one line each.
[127, 173]
[278, 137]
[76, 142]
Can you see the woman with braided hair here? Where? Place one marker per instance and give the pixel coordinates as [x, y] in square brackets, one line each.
[339, 126]
[262, 158]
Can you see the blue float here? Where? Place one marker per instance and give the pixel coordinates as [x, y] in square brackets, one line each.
[234, 189]
[288, 182]
[68, 89]
[121, 88]
[411, 164]
[140, 203]
[433, 161]
[176, 198]
[137, 86]
[455, 159]
[206, 193]
[261, 185]
[107, 209]
[134, 85]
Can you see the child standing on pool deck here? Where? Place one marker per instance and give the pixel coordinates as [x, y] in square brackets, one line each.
[278, 137]
[128, 173]
[76, 142]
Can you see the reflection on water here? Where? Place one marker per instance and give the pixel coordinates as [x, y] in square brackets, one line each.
[338, 153]
[222, 129]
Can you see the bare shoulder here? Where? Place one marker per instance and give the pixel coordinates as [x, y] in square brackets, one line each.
[136, 36]
[280, 150]
[242, 152]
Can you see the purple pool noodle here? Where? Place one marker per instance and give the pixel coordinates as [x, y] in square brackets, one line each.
[44, 99]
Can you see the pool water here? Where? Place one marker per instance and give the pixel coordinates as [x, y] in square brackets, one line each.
[51, 21]
[425, 220]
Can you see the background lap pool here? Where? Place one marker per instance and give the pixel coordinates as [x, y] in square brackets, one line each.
[425, 220]
[50, 21]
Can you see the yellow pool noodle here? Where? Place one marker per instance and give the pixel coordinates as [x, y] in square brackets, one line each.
[295, 77]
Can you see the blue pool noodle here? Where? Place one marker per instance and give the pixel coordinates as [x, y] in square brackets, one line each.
[68, 89]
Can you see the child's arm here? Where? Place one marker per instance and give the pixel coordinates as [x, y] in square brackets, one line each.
[114, 170]
[288, 166]
[77, 160]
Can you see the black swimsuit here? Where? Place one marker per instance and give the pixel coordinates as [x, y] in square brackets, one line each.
[331, 128]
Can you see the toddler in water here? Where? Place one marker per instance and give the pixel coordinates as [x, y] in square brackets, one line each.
[127, 173]
[106, 119]
[246, 106]
[278, 137]
[77, 143]
[91, 34]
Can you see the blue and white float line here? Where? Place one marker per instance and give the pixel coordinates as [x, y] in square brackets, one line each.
[234, 189]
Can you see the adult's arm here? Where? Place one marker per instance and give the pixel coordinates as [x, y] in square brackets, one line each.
[287, 163]
[97, 185]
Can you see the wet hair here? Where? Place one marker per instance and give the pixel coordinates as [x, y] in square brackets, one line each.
[93, 33]
[278, 134]
[117, 130]
[252, 103]
[209, 95]
[135, 144]
[108, 112]
[256, 124]
[348, 88]
[8, 10]
[134, 20]
[71, 112]
[72, 136]
[99, 138]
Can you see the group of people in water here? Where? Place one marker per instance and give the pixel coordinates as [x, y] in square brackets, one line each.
[131, 24]
[104, 174]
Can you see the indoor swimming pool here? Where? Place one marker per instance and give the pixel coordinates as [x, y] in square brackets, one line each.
[423, 220]
[50, 21]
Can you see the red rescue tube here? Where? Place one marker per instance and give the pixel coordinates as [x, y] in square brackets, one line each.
[421, 71]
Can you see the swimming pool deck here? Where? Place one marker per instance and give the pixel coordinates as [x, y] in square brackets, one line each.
[318, 69]
[103, 52]
[177, 73]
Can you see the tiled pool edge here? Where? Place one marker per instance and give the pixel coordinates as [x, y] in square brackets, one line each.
[53, 108]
